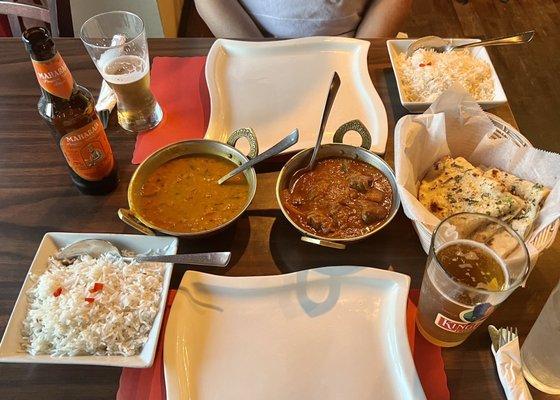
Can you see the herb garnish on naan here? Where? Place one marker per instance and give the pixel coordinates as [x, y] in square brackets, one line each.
[454, 185]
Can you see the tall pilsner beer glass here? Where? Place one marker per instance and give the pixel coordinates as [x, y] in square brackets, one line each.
[116, 41]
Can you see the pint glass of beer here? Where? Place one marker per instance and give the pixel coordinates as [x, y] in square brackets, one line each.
[116, 41]
[475, 263]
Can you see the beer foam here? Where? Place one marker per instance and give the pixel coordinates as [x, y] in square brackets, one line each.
[128, 69]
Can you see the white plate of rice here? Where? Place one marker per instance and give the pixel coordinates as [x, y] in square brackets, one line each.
[99, 307]
[424, 76]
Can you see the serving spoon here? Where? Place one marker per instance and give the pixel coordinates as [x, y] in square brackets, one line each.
[335, 85]
[440, 45]
[279, 147]
[97, 247]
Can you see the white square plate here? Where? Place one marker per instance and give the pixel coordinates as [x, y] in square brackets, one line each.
[320, 334]
[275, 87]
[398, 46]
[10, 348]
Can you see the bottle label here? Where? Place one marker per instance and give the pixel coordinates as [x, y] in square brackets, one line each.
[54, 76]
[88, 152]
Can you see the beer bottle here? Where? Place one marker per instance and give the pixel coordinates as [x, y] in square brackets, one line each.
[69, 110]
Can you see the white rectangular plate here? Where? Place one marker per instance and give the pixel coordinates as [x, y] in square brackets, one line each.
[10, 348]
[398, 46]
[320, 334]
[275, 87]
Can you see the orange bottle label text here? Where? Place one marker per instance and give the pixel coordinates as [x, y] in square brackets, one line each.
[88, 152]
[53, 76]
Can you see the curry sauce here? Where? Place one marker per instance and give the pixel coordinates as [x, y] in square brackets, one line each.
[340, 198]
[182, 195]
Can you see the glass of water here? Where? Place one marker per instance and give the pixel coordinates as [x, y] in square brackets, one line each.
[540, 353]
[116, 41]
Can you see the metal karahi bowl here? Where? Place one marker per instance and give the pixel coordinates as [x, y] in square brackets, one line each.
[227, 150]
[338, 150]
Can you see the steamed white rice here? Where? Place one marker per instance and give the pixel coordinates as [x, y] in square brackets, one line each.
[116, 322]
[427, 74]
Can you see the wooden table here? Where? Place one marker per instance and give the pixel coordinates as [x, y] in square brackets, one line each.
[36, 196]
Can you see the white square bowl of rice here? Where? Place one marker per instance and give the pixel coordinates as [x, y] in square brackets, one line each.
[423, 77]
[15, 346]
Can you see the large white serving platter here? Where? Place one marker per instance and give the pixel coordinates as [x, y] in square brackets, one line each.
[275, 87]
[10, 348]
[321, 334]
[397, 46]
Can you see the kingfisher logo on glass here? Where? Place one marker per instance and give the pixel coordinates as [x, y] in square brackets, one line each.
[452, 325]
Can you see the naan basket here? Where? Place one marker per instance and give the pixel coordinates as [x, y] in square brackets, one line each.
[503, 130]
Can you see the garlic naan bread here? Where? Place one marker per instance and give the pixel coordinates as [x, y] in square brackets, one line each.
[497, 238]
[534, 195]
[454, 185]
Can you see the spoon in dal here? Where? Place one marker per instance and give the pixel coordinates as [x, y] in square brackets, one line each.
[282, 145]
[335, 85]
[440, 45]
[97, 247]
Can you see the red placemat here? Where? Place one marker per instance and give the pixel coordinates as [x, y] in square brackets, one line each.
[179, 85]
[427, 356]
[149, 383]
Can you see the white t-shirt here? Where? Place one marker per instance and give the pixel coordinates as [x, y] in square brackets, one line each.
[300, 18]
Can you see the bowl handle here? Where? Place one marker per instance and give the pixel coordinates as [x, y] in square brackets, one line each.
[354, 125]
[248, 134]
[130, 219]
[324, 243]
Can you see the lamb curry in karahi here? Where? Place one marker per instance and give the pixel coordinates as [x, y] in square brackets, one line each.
[340, 198]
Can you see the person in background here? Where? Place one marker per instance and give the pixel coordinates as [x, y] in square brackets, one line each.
[242, 19]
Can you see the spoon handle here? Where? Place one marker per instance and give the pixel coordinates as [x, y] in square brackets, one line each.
[333, 90]
[215, 259]
[524, 37]
[282, 145]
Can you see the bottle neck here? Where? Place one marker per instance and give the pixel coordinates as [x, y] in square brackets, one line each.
[53, 75]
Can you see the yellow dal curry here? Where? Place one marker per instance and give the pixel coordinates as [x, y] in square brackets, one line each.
[182, 195]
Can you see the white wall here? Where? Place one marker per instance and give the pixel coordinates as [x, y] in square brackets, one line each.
[146, 9]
